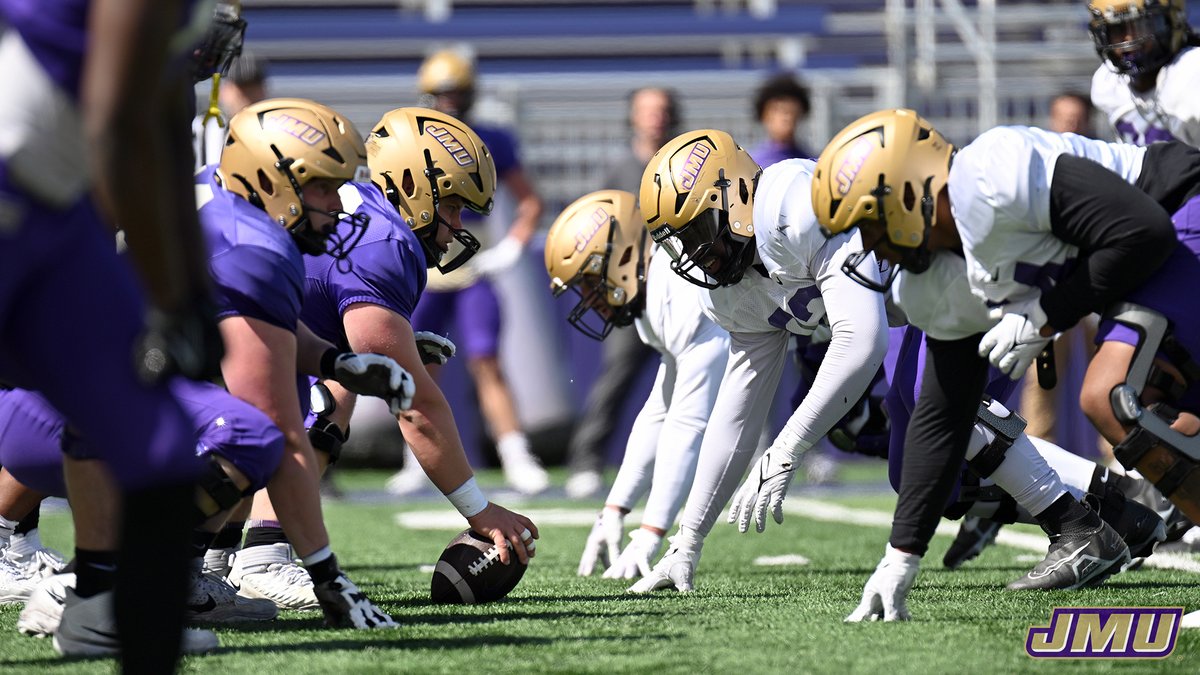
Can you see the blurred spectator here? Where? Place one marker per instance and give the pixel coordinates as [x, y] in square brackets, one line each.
[1071, 112]
[780, 104]
[653, 120]
[465, 297]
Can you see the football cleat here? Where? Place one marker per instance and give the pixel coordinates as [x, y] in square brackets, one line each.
[89, 628]
[285, 584]
[1143, 492]
[44, 608]
[677, 570]
[974, 535]
[1140, 527]
[345, 606]
[408, 481]
[1076, 561]
[219, 561]
[35, 560]
[584, 484]
[15, 584]
[212, 599]
[522, 471]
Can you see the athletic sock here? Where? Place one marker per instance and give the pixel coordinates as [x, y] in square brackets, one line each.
[264, 533]
[95, 572]
[230, 535]
[1067, 516]
[29, 522]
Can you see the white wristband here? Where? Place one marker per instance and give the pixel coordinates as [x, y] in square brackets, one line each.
[468, 499]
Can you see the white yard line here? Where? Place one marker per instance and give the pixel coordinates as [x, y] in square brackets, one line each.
[448, 519]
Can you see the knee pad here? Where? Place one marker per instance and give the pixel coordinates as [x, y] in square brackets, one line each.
[1172, 470]
[328, 438]
[217, 484]
[1001, 427]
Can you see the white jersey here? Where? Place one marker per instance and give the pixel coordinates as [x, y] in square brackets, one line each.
[1000, 196]
[666, 436]
[1171, 110]
[939, 300]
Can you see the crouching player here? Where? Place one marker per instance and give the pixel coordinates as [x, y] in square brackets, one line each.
[600, 249]
[272, 200]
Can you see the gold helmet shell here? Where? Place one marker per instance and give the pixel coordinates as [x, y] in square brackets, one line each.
[697, 195]
[277, 146]
[598, 247]
[418, 157]
[444, 71]
[1138, 36]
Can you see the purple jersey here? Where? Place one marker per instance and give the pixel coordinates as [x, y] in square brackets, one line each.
[257, 268]
[503, 146]
[56, 33]
[386, 268]
[771, 152]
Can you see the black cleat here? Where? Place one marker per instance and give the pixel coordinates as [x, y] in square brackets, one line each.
[974, 535]
[1143, 492]
[1077, 561]
[1140, 527]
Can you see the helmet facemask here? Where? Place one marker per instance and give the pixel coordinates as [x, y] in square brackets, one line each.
[463, 245]
[338, 239]
[1137, 41]
[915, 259]
[704, 250]
[604, 304]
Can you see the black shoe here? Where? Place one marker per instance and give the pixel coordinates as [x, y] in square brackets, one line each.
[1143, 492]
[974, 535]
[1140, 527]
[1077, 560]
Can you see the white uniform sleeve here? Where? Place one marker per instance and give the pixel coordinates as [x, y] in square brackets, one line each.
[633, 478]
[1177, 93]
[856, 350]
[697, 377]
[756, 362]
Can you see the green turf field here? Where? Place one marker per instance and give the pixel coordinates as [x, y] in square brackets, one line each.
[744, 618]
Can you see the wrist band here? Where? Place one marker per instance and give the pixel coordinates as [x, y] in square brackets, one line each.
[468, 499]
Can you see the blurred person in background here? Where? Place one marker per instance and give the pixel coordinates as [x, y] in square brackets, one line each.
[780, 105]
[466, 297]
[1071, 112]
[653, 118]
[245, 83]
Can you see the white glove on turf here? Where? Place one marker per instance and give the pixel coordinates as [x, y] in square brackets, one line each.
[347, 607]
[768, 483]
[677, 569]
[886, 594]
[603, 542]
[1014, 343]
[375, 375]
[634, 561]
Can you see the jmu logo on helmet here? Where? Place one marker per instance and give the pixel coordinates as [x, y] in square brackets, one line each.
[1106, 633]
[852, 163]
[693, 164]
[600, 218]
[293, 126]
[452, 145]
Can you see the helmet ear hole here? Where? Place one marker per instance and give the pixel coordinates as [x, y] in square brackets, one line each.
[265, 183]
[407, 184]
[626, 256]
[910, 197]
[744, 191]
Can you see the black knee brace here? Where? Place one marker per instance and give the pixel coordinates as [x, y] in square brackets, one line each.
[1006, 427]
[328, 438]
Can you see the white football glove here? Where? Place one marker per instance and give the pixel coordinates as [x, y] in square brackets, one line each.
[677, 569]
[886, 594]
[435, 349]
[347, 607]
[603, 543]
[634, 561]
[375, 375]
[1014, 343]
[768, 483]
[499, 258]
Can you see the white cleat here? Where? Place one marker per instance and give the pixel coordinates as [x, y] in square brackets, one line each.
[89, 628]
[584, 484]
[215, 600]
[408, 481]
[285, 584]
[35, 560]
[44, 608]
[15, 584]
[522, 471]
[219, 561]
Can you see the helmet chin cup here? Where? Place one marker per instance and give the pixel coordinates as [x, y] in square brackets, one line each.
[461, 248]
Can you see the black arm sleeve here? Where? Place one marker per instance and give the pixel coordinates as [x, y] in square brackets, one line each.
[936, 442]
[1170, 174]
[1122, 233]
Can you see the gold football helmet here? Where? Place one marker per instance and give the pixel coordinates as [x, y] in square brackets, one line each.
[276, 147]
[419, 156]
[1138, 36]
[698, 199]
[598, 247]
[885, 169]
[450, 75]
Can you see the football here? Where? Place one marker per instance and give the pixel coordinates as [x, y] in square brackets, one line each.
[470, 572]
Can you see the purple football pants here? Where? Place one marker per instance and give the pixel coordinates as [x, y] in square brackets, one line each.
[475, 310]
[31, 432]
[1171, 292]
[70, 310]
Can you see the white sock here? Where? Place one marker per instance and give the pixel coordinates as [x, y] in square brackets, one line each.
[1075, 471]
[1023, 474]
[512, 445]
[262, 556]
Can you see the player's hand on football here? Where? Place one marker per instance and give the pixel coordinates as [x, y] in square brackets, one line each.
[345, 606]
[603, 543]
[765, 487]
[1013, 343]
[634, 561]
[886, 594]
[435, 349]
[375, 375]
[507, 530]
